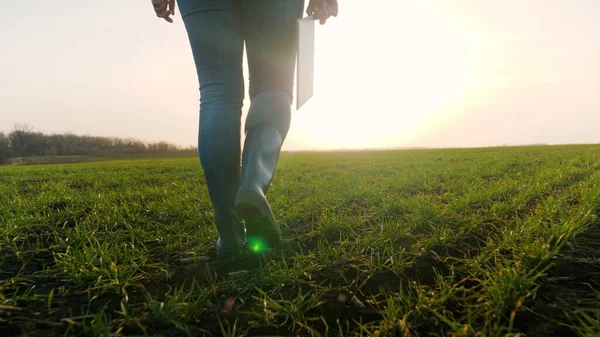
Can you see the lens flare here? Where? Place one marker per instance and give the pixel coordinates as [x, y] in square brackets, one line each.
[228, 304]
[257, 245]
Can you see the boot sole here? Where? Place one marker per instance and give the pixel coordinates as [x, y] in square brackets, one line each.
[260, 223]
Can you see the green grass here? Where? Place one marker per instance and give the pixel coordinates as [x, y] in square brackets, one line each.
[469, 242]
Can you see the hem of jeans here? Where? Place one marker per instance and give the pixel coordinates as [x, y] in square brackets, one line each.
[208, 9]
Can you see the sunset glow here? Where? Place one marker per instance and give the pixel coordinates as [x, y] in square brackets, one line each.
[388, 74]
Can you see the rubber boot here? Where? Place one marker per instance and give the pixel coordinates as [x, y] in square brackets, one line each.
[266, 127]
[222, 186]
[259, 159]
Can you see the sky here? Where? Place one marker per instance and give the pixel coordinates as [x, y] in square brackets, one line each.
[389, 73]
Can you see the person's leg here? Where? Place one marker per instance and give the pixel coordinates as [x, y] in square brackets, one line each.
[270, 31]
[270, 34]
[217, 46]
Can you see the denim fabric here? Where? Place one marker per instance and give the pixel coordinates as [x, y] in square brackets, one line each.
[187, 7]
[217, 31]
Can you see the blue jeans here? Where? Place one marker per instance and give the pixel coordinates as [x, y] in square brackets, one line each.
[217, 30]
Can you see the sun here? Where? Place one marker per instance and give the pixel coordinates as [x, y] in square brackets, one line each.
[382, 80]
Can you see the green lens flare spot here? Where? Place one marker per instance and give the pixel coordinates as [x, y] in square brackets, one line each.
[257, 246]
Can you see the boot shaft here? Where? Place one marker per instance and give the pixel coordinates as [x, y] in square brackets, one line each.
[222, 186]
[259, 159]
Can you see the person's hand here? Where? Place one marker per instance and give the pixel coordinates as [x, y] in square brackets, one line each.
[164, 9]
[322, 9]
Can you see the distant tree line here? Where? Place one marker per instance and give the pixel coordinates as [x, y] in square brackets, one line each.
[24, 142]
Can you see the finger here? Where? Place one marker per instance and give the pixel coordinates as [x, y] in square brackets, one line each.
[312, 8]
[323, 16]
[162, 14]
[165, 14]
[160, 10]
[323, 11]
[314, 11]
[172, 7]
[159, 5]
[332, 5]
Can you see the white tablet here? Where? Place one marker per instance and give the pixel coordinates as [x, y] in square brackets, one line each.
[306, 61]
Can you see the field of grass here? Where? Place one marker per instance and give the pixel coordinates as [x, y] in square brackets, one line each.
[44, 160]
[470, 242]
